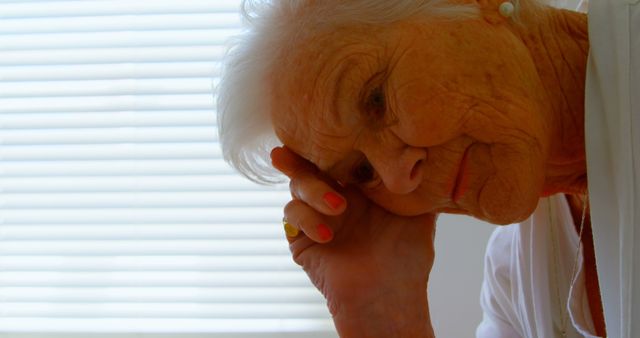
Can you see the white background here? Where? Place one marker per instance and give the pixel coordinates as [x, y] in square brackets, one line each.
[454, 287]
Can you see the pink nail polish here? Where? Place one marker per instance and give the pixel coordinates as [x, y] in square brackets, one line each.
[324, 232]
[333, 200]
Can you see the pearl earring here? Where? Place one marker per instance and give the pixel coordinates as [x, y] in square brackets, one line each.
[506, 9]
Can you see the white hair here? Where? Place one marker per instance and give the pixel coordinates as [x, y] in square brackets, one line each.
[245, 128]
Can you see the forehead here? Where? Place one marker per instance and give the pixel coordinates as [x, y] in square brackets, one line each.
[315, 92]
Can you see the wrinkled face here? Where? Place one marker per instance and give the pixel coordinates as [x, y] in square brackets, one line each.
[422, 116]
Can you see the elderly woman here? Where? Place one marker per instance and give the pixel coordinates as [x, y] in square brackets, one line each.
[393, 111]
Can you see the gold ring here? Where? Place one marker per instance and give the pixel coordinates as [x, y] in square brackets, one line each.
[289, 229]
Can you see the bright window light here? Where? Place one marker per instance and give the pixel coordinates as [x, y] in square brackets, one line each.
[118, 215]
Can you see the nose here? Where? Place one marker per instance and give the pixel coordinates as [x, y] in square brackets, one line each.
[401, 170]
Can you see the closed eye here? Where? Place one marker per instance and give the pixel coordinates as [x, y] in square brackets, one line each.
[373, 101]
[376, 104]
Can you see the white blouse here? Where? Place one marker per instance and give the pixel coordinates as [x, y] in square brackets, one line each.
[527, 278]
[613, 158]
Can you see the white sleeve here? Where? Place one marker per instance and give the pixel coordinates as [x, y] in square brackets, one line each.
[613, 158]
[495, 297]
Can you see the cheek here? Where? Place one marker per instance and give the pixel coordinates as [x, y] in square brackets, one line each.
[428, 124]
[429, 116]
[511, 192]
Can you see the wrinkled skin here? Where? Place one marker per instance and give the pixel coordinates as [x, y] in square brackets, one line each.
[413, 99]
[369, 244]
[438, 107]
[424, 117]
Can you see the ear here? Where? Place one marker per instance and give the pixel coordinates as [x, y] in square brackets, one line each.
[490, 11]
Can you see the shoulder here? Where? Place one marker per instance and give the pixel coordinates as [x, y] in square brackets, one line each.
[501, 245]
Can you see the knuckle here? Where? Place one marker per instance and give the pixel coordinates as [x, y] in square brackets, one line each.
[296, 258]
[290, 207]
[305, 221]
[296, 187]
[301, 187]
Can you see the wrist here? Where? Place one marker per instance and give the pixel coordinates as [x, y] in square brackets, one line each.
[389, 317]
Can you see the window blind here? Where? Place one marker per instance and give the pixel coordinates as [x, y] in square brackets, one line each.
[117, 213]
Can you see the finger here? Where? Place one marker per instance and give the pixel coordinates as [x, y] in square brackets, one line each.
[298, 246]
[317, 194]
[298, 241]
[290, 163]
[307, 184]
[302, 217]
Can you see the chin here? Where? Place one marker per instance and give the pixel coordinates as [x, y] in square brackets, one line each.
[507, 213]
[501, 220]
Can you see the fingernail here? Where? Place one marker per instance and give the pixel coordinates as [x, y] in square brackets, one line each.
[324, 232]
[333, 200]
[290, 230]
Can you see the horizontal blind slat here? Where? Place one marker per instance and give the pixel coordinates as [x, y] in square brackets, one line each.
[224, 262]
[112, 87]
[85, 136]
[143, 200]
[142, 216]
[87, 56]
[108, 119]
[299, 328]
[127, 69]
[146, 247]
[116, 151]
[153, 279]
[161, 294]
[106, 103]
[42, 42]
[125, 231]
[135, 167]
[114, 7]
[120, 23]
[161, 310]
[127, 184]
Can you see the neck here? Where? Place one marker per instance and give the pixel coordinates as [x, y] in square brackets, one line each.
[559, 48]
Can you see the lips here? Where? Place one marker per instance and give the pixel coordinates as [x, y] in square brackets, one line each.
[461, 184]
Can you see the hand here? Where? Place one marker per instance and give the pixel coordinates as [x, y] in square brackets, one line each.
[372, 266]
